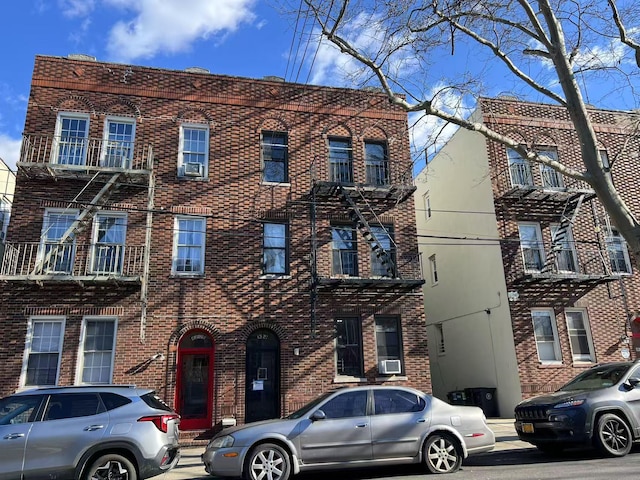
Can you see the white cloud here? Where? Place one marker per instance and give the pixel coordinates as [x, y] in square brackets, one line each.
[9, 150]
[172, 25]
[76, 8]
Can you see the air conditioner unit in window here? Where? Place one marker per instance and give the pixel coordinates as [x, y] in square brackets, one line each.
[389, 367]
[194, 169]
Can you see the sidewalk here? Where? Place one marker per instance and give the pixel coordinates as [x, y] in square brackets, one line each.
[190, 466]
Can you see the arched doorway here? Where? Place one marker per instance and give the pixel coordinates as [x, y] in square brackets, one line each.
[194, 380]
[262, 388]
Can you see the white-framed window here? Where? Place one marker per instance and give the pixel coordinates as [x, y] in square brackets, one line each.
[275, 157]
[389, 339]
[275, 248]
[55, 256]
[43, 351]
[108, 244]
[618, 252]
[193, 156]
[531, 246]
[433, 268]
[546, 335]
[71, 139]
[550, 178]
[344, 248]
[379, 266]
[564, 249]
[188, 245]
[5, 215]
[427, 205]
[118, 142]
[340, 160]
[519, 169]
[97, 350]
[376, 163]
[579, 335]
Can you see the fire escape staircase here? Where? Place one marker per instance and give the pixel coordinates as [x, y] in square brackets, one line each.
[567, 218]
[81, 223]
[363, 226]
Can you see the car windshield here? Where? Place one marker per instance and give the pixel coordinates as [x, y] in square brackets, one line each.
[308, 407]
[598, 377]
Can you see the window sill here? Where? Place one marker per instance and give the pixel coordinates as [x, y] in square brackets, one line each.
[187, 275]
[272, 276]
[392, 378]
[346, 379]
[551, 365]
[276, 184]
[196, 179]
[583, 363]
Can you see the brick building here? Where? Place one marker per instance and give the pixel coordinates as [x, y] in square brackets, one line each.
[239, 245]
[529, 281]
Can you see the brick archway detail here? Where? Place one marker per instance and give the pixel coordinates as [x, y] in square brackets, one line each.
[249, 329]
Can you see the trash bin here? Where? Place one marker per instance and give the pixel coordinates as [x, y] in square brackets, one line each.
[458, 397]
[485, 398]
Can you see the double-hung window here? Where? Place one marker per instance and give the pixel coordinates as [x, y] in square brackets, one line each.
[550, 178]
[345, 253]
[376, 163]
[109, 235]
[41, 365]
[97, 343]
[193, 157]
[117, 150]
[340, 160]
[275, 157]
[564, 249]
[388, 338]
[531, 246]
[618, 252]
[519, 169]
[383, 263]
[57, 251]
[349, 347]
[188, 245]
[546, 335]
[71, 139]
[579, 335]
[275, 254]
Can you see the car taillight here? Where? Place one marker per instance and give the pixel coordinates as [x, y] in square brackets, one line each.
[160, 421]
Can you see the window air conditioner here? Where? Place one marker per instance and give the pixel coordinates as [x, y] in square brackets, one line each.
[388, 367]
[194, 169]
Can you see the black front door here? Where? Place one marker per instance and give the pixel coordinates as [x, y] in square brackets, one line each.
[262, 397]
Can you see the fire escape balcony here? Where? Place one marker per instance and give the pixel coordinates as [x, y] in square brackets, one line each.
[70, 262]
[380, 181]
[81, 158]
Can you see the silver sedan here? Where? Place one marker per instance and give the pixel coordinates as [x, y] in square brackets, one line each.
[352, 427]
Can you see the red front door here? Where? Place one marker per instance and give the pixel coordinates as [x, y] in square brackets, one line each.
[194, 382]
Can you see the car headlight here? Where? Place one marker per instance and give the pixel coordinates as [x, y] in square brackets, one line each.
[575, 402]
[224, 441]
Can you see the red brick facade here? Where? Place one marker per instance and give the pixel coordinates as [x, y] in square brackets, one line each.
[610, 302]
[231, 300]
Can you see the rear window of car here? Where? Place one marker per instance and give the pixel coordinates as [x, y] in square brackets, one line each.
[154, 401]
[113, 400]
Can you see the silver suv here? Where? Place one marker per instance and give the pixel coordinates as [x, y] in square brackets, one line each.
[87, 432]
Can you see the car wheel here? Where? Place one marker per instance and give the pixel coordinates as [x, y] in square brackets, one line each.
[442, 454]
[111, 467]
[613, 436]
[268, 462]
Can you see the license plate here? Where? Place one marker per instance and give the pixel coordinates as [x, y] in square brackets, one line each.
[527, 427]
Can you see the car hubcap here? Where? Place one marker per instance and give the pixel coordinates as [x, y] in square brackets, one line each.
[442, 455]
[267, 465]
[615, 436]
[111, 471]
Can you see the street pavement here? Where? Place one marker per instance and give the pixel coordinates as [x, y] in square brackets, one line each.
[190, 466]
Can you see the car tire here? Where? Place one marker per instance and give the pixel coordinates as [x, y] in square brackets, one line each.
[442, 453]
[613, 436]
[111, 467]
[268, 461]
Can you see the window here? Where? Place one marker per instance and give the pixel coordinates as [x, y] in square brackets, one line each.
[427, 206]
[117, 150]
[618, 252]
[564, 249]
[388, 338]
[275, 254]
[579, 336]
[546, 335]
[376, 163]
[397, 401]
[340, 160]
[345, 253]
[347, 404]
[188, 245]
[97, 344]
[381, 265]
[41, 364]
[531, 246]
[19, 409]
[72, 135]
[109, 234]
[550, 177]
[519, 169]
[275, 157]
[5, 212]
[348, 347]
[441, 347]
[433, 268]
[193, 157]
[73, 405]
[56, 255]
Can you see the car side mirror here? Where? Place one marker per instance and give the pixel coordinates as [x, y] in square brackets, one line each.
[631, 383]
[318, 415]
